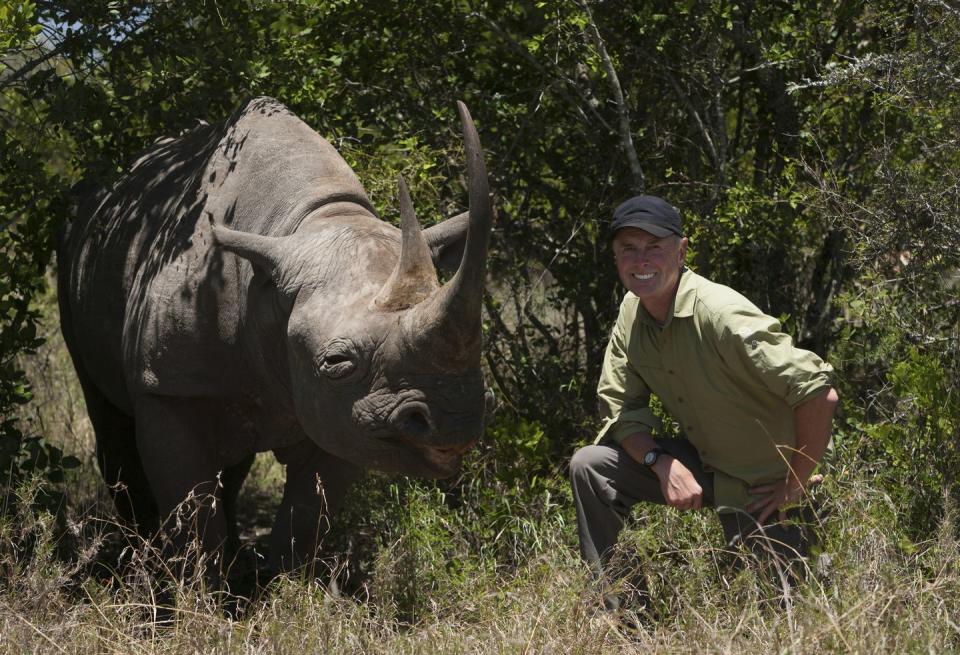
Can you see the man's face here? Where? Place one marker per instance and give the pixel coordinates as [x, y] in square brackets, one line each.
[649, 266]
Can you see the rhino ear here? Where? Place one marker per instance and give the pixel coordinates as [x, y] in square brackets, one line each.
[446, 241]
[265, 253]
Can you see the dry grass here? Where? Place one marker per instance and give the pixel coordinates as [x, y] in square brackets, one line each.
[877, 598]
[880, 592]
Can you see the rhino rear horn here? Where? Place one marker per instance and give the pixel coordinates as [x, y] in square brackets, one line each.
[414, 279]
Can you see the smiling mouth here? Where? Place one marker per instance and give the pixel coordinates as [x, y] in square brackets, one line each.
[639, 276]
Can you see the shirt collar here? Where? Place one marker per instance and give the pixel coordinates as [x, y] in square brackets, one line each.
[686, 297]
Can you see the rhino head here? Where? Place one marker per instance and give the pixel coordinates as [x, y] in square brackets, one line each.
[383, 362]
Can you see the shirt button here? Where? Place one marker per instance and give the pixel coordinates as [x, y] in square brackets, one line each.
[703, 453]
[670, 371]
[680, 400]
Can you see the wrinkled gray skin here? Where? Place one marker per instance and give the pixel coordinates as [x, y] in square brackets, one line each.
[235, 293]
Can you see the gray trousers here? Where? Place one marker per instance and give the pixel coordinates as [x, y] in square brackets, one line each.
[608, 482]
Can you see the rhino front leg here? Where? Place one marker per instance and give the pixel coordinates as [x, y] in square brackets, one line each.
[175, 438]
[315, 487]
[231, 481]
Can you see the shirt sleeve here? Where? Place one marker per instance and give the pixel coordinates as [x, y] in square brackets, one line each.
[755, 345]
[622, 395]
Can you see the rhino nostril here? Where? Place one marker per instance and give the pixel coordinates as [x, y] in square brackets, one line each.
[417, 422]
[412, 421]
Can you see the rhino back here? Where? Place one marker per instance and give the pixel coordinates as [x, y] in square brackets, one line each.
[272, 170]
[152, 307]
[117, 237]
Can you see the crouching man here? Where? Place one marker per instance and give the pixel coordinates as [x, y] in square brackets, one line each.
[754, 410]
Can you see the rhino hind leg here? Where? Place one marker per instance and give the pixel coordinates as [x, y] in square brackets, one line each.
[119, 461]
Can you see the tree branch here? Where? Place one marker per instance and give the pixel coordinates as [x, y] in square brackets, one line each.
[704, 132]
[523, 52]
[23, 71]
[623, 111]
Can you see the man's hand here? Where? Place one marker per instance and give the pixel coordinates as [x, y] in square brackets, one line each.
[778, 496]
[680, 489]
[812, 420]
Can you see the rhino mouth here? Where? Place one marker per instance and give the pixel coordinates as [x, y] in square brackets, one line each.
[443, 460]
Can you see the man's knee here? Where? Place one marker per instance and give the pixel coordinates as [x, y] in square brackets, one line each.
[586, 460]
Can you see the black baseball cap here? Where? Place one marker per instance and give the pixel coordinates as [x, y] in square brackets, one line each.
[649, 213]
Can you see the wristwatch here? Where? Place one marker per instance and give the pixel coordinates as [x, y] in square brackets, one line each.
[652, 456]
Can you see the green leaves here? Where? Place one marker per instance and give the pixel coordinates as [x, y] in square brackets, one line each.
[919, 438]
[17, 24]
[809, 146]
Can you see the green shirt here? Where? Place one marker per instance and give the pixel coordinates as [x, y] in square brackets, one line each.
[724, 370]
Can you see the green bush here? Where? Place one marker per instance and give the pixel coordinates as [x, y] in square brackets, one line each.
[920, 439]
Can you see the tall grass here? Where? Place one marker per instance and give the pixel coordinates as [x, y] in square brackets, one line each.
[489, 569]
[879, 595]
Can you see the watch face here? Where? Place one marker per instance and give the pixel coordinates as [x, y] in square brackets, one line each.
[650, 458]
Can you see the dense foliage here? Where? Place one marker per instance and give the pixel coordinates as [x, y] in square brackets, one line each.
[810, 145]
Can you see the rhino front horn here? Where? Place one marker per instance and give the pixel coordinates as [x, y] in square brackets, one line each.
[414, 279]
[454, 311]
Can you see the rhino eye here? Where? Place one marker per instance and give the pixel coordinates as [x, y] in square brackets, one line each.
[338, 361]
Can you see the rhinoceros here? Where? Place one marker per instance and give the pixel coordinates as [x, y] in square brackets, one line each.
[235, 292]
